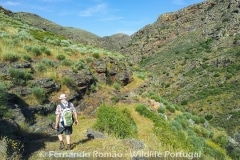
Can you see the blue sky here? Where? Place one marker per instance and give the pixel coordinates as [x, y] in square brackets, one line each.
[100, 17]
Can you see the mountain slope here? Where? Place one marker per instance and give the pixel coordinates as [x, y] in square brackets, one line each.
[112, 43]
[192, 56]
[78, 35]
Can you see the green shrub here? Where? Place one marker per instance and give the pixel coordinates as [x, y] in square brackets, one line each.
[19, 76]
[39, 93]
[141, 75]
[65, 42]
[205, 59]
[48, 62]
[208, 117]
[89, 59]
[190, 132]
[159, 121]
[28, 48]
[93, 87]
[79, 65]
[176, 126]
[96, 55]
[183, 121]
[116, 85]
[44, 64]
[171, 108]
[216, 75]
[66, 62]
[11, 57]
[198, 119]
[45, 50]
[200, 131]
[206, 44]
[233, 68]
[187, 115]
[142, 110]
[27, 58]
[69, 82]
[197, 143]
[36, 51]
[60, 57]
[114, 99]
[184, 102]
[114, 121]
[222, 140]
[161, 110]
[145, 94]
[40, 67]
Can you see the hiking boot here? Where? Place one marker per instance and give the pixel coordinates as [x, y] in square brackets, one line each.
[61, 145]
[69, 147]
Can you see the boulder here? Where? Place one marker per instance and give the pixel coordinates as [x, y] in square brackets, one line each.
[92, 134]
[47, 84]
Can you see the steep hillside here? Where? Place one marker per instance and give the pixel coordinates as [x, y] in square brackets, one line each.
[192, 57]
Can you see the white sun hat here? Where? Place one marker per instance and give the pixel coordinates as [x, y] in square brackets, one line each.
[62, 96]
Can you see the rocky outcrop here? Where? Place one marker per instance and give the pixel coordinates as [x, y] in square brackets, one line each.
[81, 80]
[112, 70]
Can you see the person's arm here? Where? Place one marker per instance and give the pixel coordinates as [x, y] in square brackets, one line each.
[75, 113]
[76, 117]
[57, 113]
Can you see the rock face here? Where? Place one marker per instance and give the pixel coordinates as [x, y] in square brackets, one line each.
[112, 70]
[82, 79]
[103, 71]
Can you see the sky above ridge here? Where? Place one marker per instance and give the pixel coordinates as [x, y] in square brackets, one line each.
[100, 17]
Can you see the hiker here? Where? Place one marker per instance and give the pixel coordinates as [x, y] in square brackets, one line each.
[61, 119]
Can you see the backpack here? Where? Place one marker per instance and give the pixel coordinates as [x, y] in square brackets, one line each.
[67, 115]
